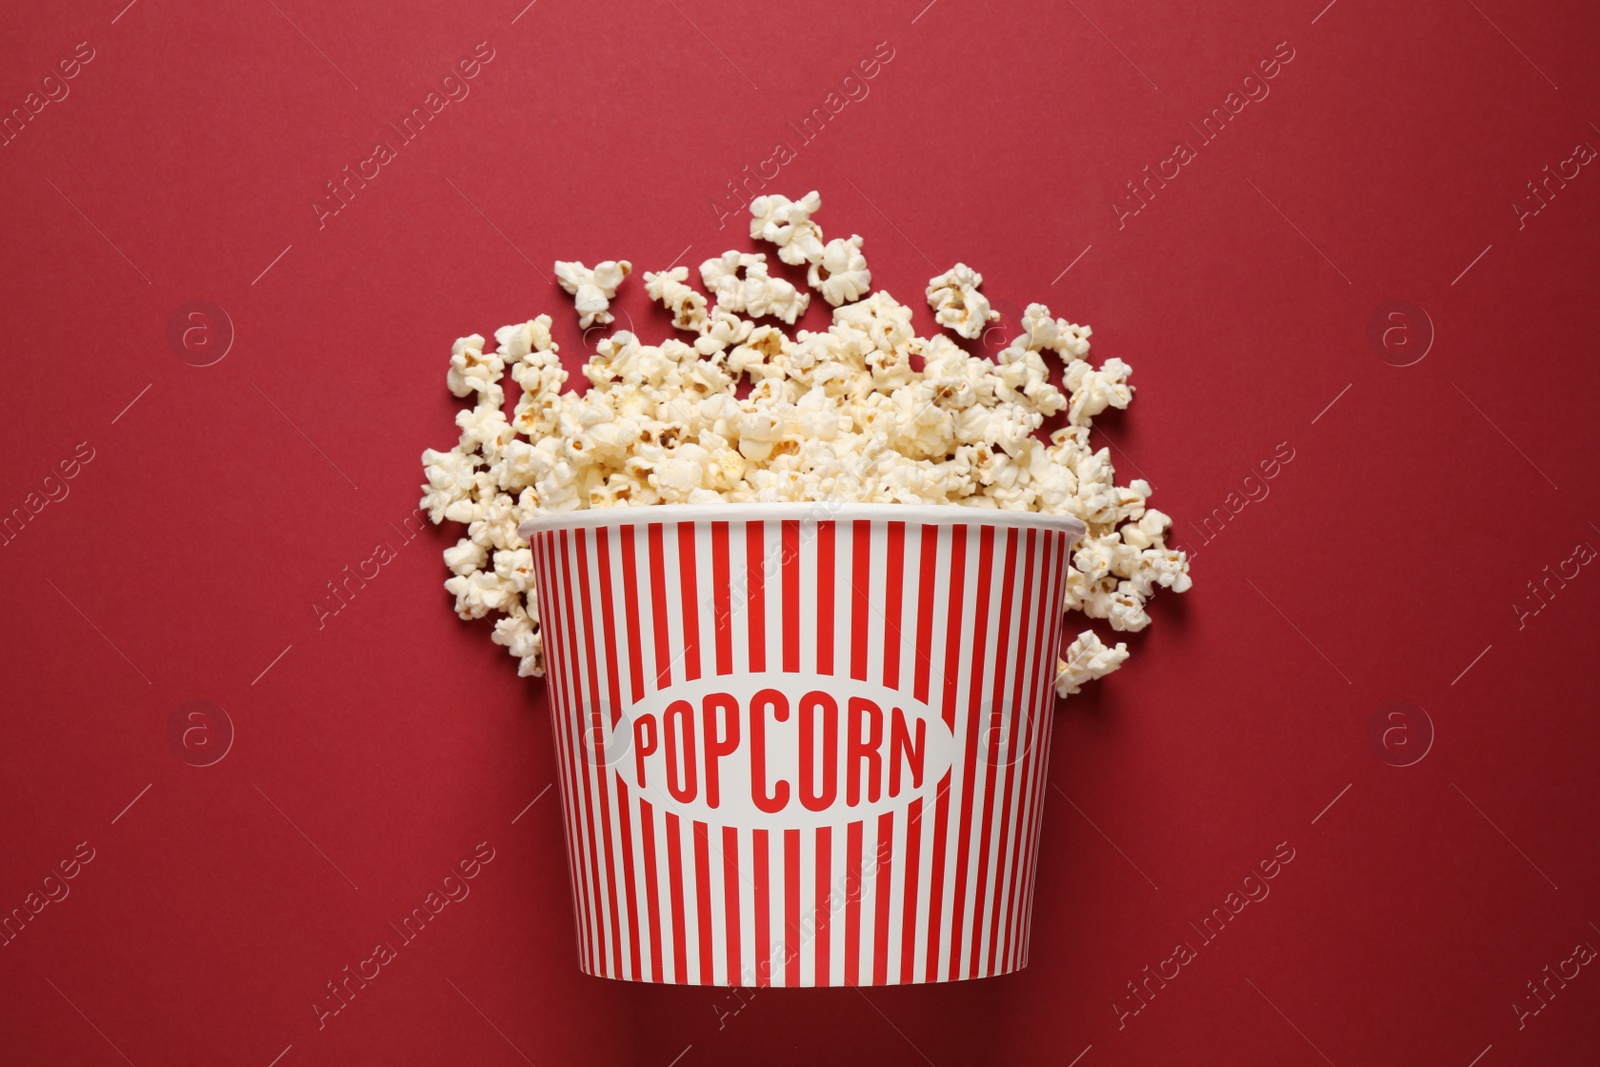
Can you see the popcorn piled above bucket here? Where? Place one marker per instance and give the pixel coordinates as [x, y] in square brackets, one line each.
[844, 414]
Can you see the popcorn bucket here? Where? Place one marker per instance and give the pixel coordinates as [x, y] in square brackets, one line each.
[801, 744]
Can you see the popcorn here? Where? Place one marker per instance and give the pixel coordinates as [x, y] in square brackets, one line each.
[864, 410]
[477, 594]
[1041, 333]
[1087, 660]
[756, 293]
[519, 633]
[787, 224]
[472, 371]
[840, 274]
[465, 556]
[956, 302]
[592, 289]
[668, 289]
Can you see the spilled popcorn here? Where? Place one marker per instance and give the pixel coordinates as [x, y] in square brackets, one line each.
[844, 414]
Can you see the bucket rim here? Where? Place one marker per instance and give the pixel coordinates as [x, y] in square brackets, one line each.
[815, 511]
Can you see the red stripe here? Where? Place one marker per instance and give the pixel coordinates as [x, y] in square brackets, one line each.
[928, 561]
[689, 600]
[730, 903]
[908, 899]
[852, 907]
[882, 868]
[702, 894]
[894, 581]
[658, 601]
[791, 596]
[680, 922]
[823, 906]
[997, 719]
[791, 907]
[760, 872]
[556, 669]
[755, 571]
[860, 607]
[624, 803]
[975, 680]
[576, 725]
[1034, 771]
[652, 891]
[1020, 858]
[1047, 725]
[1047, 728]
[560, 689]
[544, 588]
[930, 556]
[953, 638]
[824, 599]
[721, 592]
[625, 824]
[594, 734]
[630, 583]
[1020, 714]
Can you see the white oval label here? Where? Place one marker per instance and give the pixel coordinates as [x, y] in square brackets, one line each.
[780, 751]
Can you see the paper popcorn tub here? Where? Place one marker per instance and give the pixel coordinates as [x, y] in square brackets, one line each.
[801, 744]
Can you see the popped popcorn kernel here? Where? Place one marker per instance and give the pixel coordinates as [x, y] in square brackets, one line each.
[592, 290]
[957, 304]
[864, 410]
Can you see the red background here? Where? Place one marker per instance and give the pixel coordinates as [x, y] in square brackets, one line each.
[1382, 567]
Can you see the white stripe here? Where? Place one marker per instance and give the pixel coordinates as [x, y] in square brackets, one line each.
[778, 936]
[1038, 699]
[807, 588]
[923, 901]
[945, 554]
[649, 923]
[873, 868]
[663, 915]
[704, 606]
[1046, 568]
[739, 601]
[673, 613]
[556, 674]
[597, 724]
[747, 908]
[977, 844]
[694, 607]
[1042, 763]
[1038, 773]
[659, 799]
[691, 899]
[1022, 717]
[717, 872]
[572, 728]
[590, 701]
[989, 751]
[838, 905]
[739, 633]
[807, 936]
[948, 904]
[877, 585]
[615, 653]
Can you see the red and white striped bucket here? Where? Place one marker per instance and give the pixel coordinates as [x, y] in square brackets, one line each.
[801, 744]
